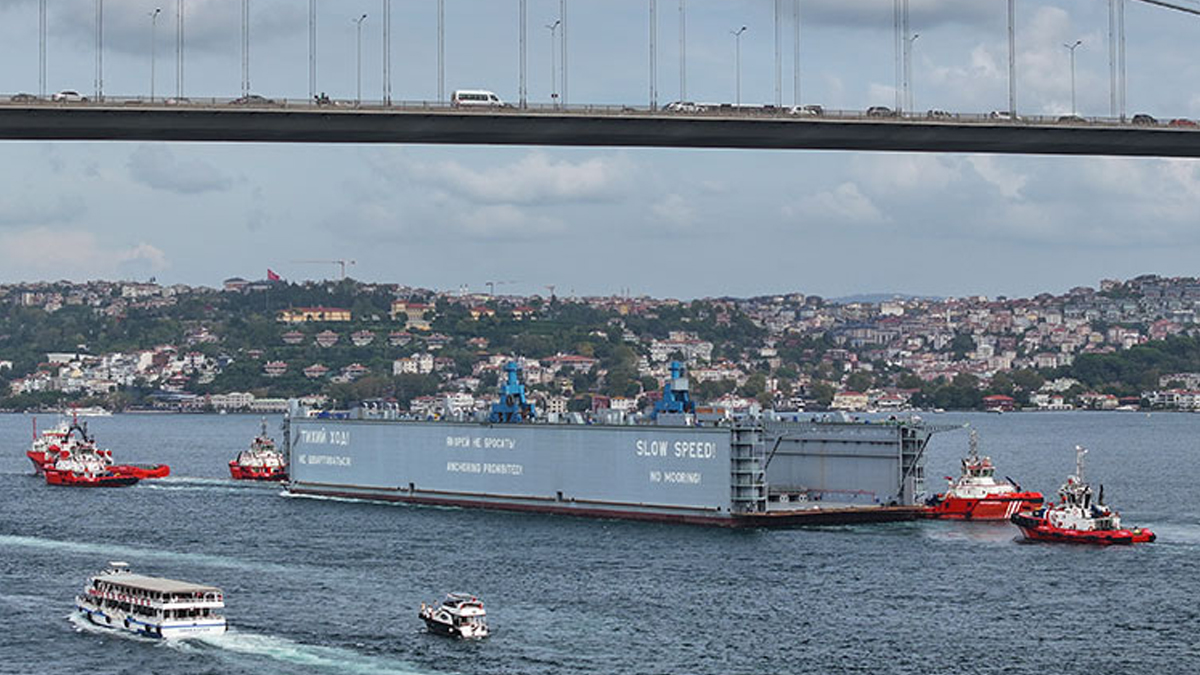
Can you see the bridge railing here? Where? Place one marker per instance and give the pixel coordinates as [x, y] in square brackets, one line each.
[694, 111]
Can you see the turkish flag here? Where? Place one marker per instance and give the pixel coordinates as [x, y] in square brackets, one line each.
[271, 276]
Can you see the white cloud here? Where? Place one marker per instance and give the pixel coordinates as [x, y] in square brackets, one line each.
[157, 167]
[535, 180]
[845, 204]
[907, 176]
[1008, 182]
[43, 253]
[674, 211]
[21, 208]
[213, 26]
[878, 13]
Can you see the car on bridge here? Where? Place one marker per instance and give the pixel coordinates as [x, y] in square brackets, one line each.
[683, 107]
[1144, 120]
[23, 98]
[881, 111]
[811, 110]
[936, 114]
[252, 100]
[1071, 119]
[1182, 122]
[68, 96]
[1003, 116]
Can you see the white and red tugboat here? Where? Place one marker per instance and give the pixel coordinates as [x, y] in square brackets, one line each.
[85, 469]
[1077, 517]
[46, 448]
[261, 462]
[67, 455]
[460, 615]
[977, 495]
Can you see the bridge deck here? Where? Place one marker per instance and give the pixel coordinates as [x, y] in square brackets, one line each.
[92, 122]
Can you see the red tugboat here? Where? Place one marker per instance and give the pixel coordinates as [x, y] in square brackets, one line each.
[261, 462]
[976, 495]
[1077, 518]
[67, 455]
[46, 448]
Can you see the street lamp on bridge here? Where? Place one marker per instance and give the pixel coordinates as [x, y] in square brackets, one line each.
[153, 47]
[737, 59]
[553, 28]
[1071, 48]
[358, 92]
[909, 42]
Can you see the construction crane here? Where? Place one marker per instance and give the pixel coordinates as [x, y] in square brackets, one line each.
[341, 263]
[551, 288]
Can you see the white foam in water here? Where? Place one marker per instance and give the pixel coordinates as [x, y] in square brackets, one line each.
[82, 625]
[1171, 533]
[312, 656]
[114, 551]
[236, 644]
[192, 487]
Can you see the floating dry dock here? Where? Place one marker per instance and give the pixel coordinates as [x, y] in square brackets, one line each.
[767, 471]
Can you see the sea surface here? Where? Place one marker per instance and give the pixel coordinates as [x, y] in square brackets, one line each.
[321, 586]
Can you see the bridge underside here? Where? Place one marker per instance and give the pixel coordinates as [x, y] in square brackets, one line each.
[93, 123]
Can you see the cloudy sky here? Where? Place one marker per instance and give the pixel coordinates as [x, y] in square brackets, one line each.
[683, 223]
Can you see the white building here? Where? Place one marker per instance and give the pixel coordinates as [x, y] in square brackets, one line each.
[417, 364]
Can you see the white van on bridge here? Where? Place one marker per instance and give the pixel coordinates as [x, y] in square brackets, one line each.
[476, 98]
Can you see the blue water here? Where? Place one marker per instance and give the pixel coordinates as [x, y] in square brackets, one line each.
[317, 586]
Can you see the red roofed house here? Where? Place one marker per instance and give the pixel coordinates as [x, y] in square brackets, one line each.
[999, 403]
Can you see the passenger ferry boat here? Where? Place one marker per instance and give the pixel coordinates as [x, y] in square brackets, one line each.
[67, 455]
[461, 615]
[151, 606]
[1077, 518]
[977, 495]
[261, 462]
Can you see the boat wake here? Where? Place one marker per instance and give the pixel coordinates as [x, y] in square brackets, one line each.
[987, 532]
[186, 484]
[82, 625]
[1183, 534]
[235, 646]
[115, 551]
[238, 645]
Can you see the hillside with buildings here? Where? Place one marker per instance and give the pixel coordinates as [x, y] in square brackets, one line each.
[249, 346]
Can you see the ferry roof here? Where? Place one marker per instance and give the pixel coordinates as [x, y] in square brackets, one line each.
[156, 584]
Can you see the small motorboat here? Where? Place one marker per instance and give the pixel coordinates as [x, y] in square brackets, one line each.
[977, 495]
[460, 615]
[1077, 518]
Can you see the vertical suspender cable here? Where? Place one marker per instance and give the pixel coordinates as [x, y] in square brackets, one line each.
[387, 52]
[524, 84]
[653, 54]
[179, 27]
[1012, 58]
[42, 49]
[562, 9]
[682, 50]
[796, 53]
